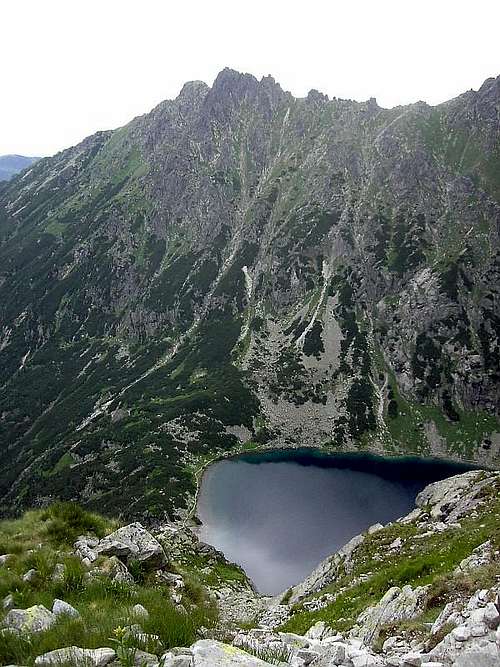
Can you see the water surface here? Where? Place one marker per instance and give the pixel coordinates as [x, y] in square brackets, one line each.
[279, 514]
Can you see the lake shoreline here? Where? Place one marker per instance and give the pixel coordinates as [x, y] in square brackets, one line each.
[320, 452]
[308, 503]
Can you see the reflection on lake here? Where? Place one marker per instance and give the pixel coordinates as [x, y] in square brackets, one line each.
[279, 514]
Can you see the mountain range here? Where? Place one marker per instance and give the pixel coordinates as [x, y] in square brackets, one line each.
[10, 165]
[240, 268]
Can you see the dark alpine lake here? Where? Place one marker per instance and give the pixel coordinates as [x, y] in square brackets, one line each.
[278, 514]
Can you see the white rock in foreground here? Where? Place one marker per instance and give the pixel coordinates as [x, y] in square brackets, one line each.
[62, 608]
[98, 657]
[210, 653]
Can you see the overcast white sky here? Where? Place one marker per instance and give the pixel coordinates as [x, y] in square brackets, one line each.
[71, 67]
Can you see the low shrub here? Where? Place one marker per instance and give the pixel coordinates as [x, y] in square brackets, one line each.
[65, 521]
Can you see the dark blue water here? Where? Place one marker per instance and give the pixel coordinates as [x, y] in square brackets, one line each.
[278, 514]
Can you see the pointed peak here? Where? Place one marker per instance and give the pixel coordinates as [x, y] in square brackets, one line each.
[231, 79]
[193, 89]
[315, 96]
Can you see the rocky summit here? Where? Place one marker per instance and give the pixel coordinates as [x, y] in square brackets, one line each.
[423, 591]
[240, 268]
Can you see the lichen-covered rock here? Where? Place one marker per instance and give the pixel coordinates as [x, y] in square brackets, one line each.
[482, 555]
[8, 601]
[145, 659]
[210, 653]
[31, 575]
[139, 611]
[58, 572]
[84, 548]
[170, 660]
[177, 657]
[34, 619]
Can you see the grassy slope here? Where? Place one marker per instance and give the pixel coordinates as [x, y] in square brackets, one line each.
[39, 540]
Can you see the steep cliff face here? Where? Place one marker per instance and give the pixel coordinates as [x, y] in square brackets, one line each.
[243, 265]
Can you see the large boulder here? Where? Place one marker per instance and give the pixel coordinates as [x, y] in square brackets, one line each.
[98, 657]
[132, 542]
[210, 653]
[34, 619]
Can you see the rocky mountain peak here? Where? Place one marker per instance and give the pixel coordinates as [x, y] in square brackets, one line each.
[231, 89]
[193, 90]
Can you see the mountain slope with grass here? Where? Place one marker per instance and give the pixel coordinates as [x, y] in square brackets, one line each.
[240, 267]
[80, 589]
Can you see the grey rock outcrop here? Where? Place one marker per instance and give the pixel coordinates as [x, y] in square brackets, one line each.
[452, 498]
[326, 571]
[474, 640]
[129, 543]
[398, 604]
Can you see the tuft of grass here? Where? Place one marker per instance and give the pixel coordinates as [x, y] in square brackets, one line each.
[272, 655]
[60, 524]
[65, 521]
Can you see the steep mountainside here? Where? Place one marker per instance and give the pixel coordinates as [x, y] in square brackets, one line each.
[13, 164]
[238, 267]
